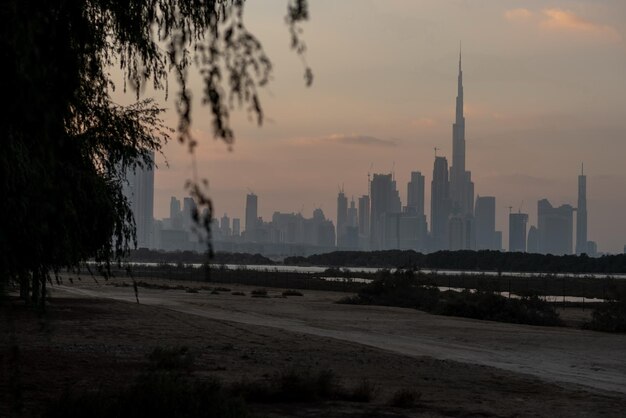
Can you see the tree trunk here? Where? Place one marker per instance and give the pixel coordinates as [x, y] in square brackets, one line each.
[35, 289]
[43, 293]
[25, 287]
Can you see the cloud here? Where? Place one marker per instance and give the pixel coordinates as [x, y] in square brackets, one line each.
[564, 20]
[349, 139]
[518, 14]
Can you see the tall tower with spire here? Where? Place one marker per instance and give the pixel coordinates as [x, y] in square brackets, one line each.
[581, 214]
[461, 186]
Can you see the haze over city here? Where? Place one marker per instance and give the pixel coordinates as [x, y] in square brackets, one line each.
[544, 87]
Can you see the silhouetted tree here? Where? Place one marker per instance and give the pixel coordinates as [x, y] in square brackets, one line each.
[66, 145]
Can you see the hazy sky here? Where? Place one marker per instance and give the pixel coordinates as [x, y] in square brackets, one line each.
[545, 89]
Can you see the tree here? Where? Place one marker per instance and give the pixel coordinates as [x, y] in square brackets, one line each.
[66, 146]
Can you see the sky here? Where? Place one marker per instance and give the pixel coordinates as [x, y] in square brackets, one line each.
[545, 90]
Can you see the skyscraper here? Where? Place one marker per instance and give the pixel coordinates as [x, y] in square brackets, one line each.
[139, 191]
[415, 194]
[342, 218]
[581, 214]
[236, 227]
[364, 222]
[485, 222]
[555, 227]
[383, 201]
[461, 186]
[440, 204]
[517, 232]
[252, 219]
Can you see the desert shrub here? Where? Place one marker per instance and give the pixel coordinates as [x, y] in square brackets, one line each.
[609, 317]
[222, 289]
[215, 292]
[404, 398]
[191, 290]
[259, 293]
[171, 358]
[365, 391]
[291, 292]
[402, 289]
[238, 293]
[291, 385]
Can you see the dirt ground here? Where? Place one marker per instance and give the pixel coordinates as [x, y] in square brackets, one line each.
[86, 342]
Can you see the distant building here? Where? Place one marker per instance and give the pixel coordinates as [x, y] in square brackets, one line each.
[439, 204]
[383, 201]
[342, 218]
[139, 192]
[189, 207]
[460, 232]
[236, 227]
[498, 238]
[533, 240]
[415, 194]
[485, 221]
[364, 222]
[252, 217]
[176, 214]
[225, 226]
[581, 215]
[555, 226]
[517, 232]
[461, 185]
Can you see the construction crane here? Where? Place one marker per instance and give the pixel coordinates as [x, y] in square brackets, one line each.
[436, 149]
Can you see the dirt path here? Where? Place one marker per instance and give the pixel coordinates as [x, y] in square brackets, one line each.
[562, 355]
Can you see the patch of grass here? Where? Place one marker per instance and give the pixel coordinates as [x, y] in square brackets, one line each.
[291, 292]
[171, 358]
[404, 398]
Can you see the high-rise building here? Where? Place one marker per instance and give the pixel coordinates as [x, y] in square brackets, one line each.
[176, 215]
[485, 222]
[384, 200]
[364, 215]
[236, 227]
[439, 204]
[555, 227]
[533, 240]
[252, 217]
[461, 186]
[353, 214]
[517, 232]
[342, 218]
[189, 207]
[225, 226]
[415, 194]
[139, 191]
[581, 215]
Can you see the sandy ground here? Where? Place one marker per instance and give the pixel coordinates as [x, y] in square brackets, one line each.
[461, 367]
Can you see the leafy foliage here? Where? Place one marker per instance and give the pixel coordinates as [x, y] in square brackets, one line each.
[67, 146]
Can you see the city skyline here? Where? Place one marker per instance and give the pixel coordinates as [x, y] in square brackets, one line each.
[548, 82]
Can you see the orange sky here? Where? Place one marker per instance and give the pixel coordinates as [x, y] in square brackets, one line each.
[545, 83]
